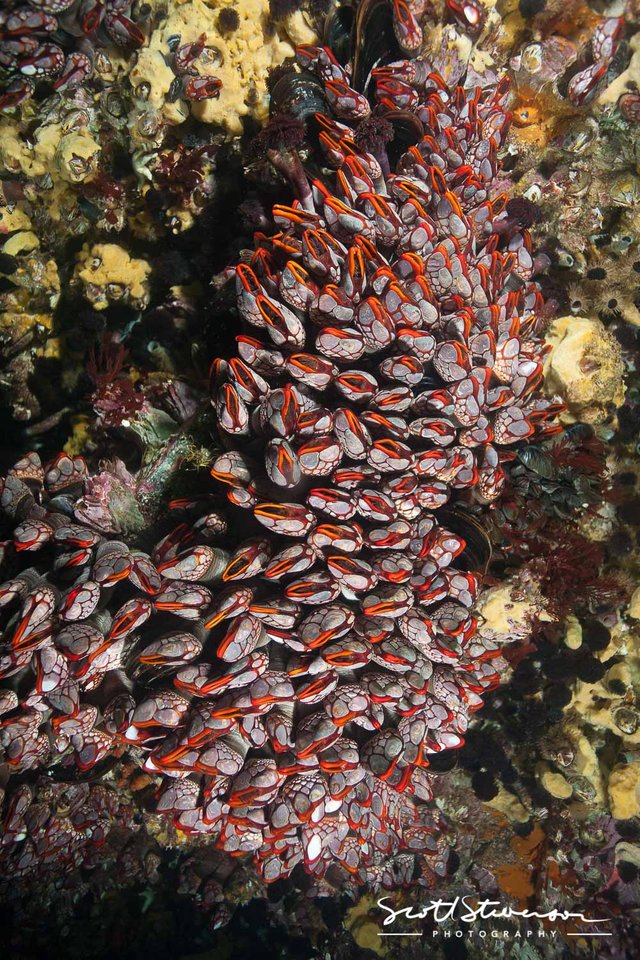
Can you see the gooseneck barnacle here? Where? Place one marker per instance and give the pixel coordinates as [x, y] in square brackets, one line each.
[288, 657]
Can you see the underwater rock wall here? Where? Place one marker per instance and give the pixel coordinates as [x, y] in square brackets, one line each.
[130, 191]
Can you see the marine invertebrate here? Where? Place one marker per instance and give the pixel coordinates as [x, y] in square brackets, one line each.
[387, 270]
[29, 56]
[400, 364]
[585, 368]
[63, 168]
[565, 477]
[106, 274]
[605, 41]
[65, 842]
[59, 827]
[204, 62]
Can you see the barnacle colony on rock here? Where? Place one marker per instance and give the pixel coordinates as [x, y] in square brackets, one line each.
[105, 272]
[178, 56]
[31, 55]
[238, 58]
[290, 684]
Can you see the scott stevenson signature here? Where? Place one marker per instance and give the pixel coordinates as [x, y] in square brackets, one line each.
[461, 909]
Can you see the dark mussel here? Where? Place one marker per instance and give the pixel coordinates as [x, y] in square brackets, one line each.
[407, 130]
[338, 32]
[477, 553]
[374, 42]
[65, 773]
[301, 95]
[537, 460]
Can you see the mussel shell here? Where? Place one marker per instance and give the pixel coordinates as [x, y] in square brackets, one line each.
[31, 577]
[66, 773]
[407, 131]
[476, 556]
[108, 547]
[62, 504]
[375, 41]
[101, 620]
[338, 32]
[579, 431]
[538, 461]
[301, 95]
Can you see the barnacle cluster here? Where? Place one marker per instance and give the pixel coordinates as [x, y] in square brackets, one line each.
[210, 60]
[30, 56]
[59, 824]
[263, 627]
[173, 56]
[590, 158]
[292, 709]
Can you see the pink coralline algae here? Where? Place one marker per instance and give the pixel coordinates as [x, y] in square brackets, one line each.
[287, 659]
